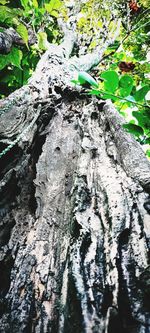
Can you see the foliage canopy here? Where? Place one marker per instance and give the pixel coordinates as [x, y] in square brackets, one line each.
[122, 75]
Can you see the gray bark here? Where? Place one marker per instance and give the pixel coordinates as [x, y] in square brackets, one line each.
[10, 37]
[75, 205]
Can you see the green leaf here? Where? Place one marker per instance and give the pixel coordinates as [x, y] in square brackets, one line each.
[126, 85]
[106, 95]
[53, 7]
[24, 3]
[147, 141]
[15, 57]
[124, 92]
[148, 152]
[102, 94]
[23, 32]
[94, 92]
[15, 21]
[54, 13]
[114, 46]
[6, 14]
[55, 4]
[3, 2]
[35, 3]
[141, 93]
[143, 120]
[134, 129]
[126, 81]
[111, 80]
[84, 77]
[4, 61]
[75, 81]
[42, 41]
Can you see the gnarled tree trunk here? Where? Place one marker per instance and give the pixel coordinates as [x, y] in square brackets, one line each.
[74, 209]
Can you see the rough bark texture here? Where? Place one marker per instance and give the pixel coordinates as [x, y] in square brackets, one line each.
[75, 205]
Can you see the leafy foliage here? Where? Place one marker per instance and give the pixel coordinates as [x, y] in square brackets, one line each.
[124, 72]
[122, 91]
[111, 80]
[35, 22]
[134, 129]
[130, 95]
[122, 75]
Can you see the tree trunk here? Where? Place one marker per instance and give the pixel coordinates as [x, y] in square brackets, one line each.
[74, 210]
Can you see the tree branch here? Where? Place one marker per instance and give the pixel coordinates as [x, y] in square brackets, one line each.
[90, 60]
[10, 37]
[69, 39]
[131, 154]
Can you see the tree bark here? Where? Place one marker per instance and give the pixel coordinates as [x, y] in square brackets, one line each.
[75, 205]
[10, 37]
